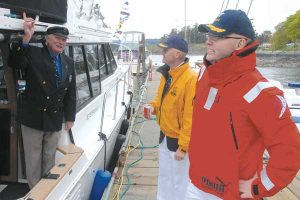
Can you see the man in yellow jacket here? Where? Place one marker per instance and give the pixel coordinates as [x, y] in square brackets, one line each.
[173, 107]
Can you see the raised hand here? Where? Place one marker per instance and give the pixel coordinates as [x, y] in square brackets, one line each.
[28, 25]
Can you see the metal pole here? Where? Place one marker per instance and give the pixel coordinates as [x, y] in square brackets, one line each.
[227, 4]
[124, 84]
[249, 7]
[185, 20]
[222, 6]
[104, 103]
[143, 53]
[116, 100]
[237, 3]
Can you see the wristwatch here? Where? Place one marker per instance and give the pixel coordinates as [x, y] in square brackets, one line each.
[255, 189]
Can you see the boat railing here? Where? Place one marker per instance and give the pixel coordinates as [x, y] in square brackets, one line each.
[127, 58]
[116, 86]
[143, 92]
[143, 89]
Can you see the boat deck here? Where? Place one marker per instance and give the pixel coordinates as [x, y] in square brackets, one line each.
[143, 170]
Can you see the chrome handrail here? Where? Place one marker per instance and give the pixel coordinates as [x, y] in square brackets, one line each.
[116, 99]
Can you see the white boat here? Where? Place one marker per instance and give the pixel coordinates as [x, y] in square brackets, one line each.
[103, 98]
[292, 96]
[134, 53]
[196, 62]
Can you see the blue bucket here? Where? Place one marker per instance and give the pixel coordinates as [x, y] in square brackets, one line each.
[101, 180]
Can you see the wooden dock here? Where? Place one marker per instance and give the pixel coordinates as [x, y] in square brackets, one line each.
[143, 177]
[143, 174]
[291, 192]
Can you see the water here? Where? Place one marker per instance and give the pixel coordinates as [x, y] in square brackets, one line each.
[156, 60]
[281, 74]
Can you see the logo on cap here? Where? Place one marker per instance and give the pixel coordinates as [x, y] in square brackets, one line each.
[216, 29]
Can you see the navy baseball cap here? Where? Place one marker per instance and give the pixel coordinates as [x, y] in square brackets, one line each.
[230, 21]
[175, 42]
[58, 30]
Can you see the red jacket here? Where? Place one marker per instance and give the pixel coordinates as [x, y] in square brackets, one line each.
[237, 115]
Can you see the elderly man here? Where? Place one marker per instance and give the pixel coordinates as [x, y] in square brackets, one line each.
[49, 97]
[238, 115]
[173, 108]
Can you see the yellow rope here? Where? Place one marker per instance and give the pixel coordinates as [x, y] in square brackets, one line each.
[127, 151]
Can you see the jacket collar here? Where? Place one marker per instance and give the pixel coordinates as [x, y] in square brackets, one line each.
[231, 68]
[165, 69]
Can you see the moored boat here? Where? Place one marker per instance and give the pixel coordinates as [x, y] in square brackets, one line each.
[292, 95]
[133, 52]
[103, 96]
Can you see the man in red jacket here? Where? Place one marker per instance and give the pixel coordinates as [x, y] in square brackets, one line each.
[238, 114]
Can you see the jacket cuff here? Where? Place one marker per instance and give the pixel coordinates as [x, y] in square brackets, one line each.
[183, 149]
[262, 186]
[256, 189]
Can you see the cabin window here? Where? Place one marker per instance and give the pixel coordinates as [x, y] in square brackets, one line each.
[102, 61]
[111, 62]
[93, 66]
[83, 91]
[3, 90]
[67, 51]
[5, 124]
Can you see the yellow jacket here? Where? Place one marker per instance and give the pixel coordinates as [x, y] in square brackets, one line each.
[174, 111]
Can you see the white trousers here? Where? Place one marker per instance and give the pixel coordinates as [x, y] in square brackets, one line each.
[173, 177]
[39, 150]
[193, 193]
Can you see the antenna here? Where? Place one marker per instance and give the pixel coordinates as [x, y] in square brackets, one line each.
[249, 7]
[227, 4]
[222, 6]
[237, 3]
[185, 19]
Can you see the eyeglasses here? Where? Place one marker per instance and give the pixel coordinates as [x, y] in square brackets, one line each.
[215, 38]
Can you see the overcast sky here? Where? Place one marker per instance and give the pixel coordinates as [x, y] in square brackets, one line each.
[158, 17]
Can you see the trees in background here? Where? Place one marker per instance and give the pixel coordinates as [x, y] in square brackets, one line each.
[193, 36]
[265, 37]
[287, 32]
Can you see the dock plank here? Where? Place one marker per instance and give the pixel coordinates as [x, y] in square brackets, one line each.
[295, 187]
[140, 192]
[151, 153]
[134, 172]
[284, 194]
[143, 176]
[144, 180]
[291, 192]
[149, 163]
